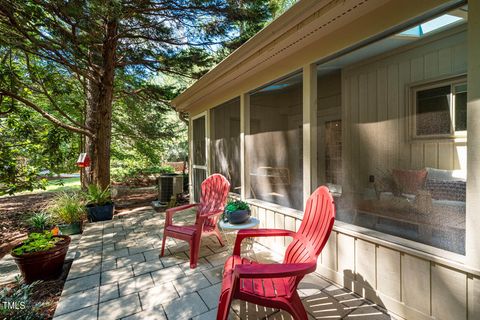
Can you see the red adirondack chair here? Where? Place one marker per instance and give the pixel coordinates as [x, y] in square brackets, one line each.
[212, 203]
[275, 285]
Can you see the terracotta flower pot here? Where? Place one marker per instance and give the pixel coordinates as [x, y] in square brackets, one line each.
[43, 265]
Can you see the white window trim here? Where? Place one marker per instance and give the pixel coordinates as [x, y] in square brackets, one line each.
[425, 85]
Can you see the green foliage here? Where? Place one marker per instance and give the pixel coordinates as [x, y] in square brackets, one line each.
[40, 221]
[52, 52]
[67, 207]
[277, 7]
[95, 195]
[37, 242]
[237, 205]
[20, 296]
[28, 145]
[128, 171]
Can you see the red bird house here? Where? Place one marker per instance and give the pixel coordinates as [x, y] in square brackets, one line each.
[83, 160]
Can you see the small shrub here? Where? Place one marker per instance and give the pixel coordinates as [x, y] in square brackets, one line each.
[40, 221]
[97, 196]
[17, 303]
[132, 172]
[37, 242]
[67, 208]
[237, 205]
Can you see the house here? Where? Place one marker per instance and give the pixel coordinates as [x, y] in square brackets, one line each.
[373, 98]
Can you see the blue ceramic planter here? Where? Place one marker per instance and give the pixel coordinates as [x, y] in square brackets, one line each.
[238, 216]
[100, 213]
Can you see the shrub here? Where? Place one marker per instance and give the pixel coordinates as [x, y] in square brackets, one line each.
[17, 303]
[67, 208]
[40, 221]
[132, 172]
[97, 196]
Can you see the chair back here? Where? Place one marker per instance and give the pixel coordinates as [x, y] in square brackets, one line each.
[214, 197]
[314, 230]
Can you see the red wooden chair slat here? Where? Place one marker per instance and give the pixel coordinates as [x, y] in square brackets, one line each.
[212, 203]
[275, 285]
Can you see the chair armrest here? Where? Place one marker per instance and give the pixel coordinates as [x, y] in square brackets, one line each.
[181, 208]
[273, 270]
[211, 214]
[251, 233]
[170, 212]
[202, 217]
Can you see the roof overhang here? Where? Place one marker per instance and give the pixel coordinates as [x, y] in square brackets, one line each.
[305, 23]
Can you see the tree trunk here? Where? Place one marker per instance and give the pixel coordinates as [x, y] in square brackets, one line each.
[99, 113]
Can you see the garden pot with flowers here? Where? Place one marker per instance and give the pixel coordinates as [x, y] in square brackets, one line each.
[41, 256]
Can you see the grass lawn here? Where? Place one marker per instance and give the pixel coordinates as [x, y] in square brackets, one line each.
[64, 184]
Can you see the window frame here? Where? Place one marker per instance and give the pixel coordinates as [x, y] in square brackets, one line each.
[432, 84]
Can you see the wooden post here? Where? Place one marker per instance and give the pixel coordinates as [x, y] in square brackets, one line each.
[309, 130]
[473, 141]
[244, 132]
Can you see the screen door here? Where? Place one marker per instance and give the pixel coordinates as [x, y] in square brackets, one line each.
[199, 164]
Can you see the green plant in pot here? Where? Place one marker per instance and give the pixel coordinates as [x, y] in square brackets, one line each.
[99, 203]
[41, 256]
[68, 211]
[40, 222]
[237, 212]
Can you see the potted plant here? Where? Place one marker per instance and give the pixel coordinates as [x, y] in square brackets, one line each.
[41, 256]
[68, 211]
[237, 212]
[99, 203]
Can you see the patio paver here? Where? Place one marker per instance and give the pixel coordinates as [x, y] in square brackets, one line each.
[117, 274]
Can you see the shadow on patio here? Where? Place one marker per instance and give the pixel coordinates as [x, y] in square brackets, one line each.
[117, 274]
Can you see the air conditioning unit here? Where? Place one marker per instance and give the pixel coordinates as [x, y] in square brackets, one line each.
[169, 185]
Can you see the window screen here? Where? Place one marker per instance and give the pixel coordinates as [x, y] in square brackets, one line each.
[433, 111]
[225, 142]
[275, 158]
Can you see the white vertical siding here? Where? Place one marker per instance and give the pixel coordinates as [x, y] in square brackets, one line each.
[375, 110]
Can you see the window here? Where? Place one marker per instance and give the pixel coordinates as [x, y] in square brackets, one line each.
[440, 109]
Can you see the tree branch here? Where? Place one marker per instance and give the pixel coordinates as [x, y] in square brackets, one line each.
[45, 114]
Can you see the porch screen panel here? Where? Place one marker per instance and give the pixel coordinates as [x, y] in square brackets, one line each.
[199, 150]
[275, 159]
[198, 176]
[392, 134]
[225, 143]
[199, 160]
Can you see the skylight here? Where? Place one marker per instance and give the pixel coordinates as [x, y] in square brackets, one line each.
[431, 25]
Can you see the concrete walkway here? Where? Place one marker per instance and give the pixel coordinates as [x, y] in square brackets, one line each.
[117, 274]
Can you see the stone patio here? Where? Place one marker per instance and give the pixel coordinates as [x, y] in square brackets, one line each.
[117, 274]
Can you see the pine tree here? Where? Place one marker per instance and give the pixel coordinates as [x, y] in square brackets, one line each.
[75, 58]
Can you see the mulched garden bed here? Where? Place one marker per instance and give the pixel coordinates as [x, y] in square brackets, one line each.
[43, 299]
[14, 213]
[16, 210]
